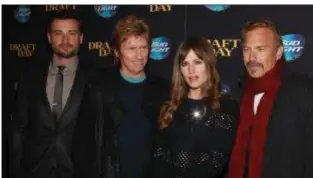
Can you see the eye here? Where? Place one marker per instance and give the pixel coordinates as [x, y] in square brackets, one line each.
[260, 48]
[144, 47]
[245, 49]
[73, 33]
[58, 33]
[198, 62]
[184, 63]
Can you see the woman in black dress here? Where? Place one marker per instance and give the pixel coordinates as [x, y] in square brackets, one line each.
[198, 124]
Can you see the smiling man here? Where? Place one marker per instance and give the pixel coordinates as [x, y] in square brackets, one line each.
[128, 102]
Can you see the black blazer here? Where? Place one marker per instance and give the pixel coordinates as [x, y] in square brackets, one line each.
[289, 147]
[38, 139]
[95, 143]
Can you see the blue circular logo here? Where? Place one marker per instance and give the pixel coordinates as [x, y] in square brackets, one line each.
[106, 11]
[22, 13]
[217, 8]
[225, 88]
[293, 46]
[160, 48]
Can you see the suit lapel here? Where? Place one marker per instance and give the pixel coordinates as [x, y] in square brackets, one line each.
[49, 121]
[74, 97]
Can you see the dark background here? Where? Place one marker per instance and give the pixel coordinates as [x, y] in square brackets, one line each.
[22, 25]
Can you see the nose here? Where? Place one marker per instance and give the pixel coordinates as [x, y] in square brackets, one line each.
[191, 69]
[139, 54]
[252, 55]
[65, 38]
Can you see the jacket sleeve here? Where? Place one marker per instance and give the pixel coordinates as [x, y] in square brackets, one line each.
[233, 111]
[161, 158]
[309, 134]
[108, 162]
[19, 125]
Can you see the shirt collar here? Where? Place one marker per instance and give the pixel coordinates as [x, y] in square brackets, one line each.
[70, 66]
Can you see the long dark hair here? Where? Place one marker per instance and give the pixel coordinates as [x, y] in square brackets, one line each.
[179, 88]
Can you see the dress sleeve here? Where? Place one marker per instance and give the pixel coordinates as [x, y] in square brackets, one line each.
[231, 112]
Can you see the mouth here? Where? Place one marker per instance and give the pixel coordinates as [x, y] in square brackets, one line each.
[138, 62]
[193, 78]
[255, 67]
[65, 47]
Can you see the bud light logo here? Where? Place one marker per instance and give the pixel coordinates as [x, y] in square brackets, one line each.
[225, 88]
[22, 13]
[217, 8]
[106, 11]
[160, 48]
[293, 46]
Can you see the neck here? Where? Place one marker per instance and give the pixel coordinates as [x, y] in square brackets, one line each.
[62, 60]
[195, 94]
[133, 75]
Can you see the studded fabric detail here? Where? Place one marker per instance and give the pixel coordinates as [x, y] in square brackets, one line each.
[220, 121]
[187, 159]
[217, 160]
[162, 154]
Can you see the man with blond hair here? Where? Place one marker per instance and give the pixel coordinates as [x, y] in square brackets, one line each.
[123, 103]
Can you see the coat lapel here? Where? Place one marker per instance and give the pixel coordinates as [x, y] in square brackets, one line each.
[113, 100]
[74, 98]
[48, 121]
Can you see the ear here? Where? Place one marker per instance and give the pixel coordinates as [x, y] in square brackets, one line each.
[279, 53]
[116, 53]
[49, 37]
[81, 38]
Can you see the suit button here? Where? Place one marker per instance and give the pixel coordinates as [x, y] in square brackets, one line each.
[53, 163]
[52, 173]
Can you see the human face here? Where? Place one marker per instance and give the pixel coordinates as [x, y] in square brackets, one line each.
[194, 71]
[65, 38]
[260, 51]
[133, 55]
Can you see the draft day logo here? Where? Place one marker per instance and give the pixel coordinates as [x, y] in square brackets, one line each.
[103, 48]
[23, 50]
[52, 8]
[106, 11]
[224, 47]
[293, 46]
[160, 48]
[22, 13]
[217, 8]
[160, 8]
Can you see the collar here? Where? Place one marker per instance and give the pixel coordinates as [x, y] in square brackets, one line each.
[132, 79]
[70, 66]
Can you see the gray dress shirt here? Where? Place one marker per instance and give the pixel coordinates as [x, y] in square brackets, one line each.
[69, 74]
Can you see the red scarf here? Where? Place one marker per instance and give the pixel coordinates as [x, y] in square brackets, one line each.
[269, 84]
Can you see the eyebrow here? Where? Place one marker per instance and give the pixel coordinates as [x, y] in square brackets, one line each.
[62, 31]
[195, 59]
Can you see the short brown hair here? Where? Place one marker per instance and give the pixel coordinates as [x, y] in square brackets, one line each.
[65, 15]
[130, 25]
[249, 26]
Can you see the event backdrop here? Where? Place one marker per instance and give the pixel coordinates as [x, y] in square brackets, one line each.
[24, 38]
[24, 34]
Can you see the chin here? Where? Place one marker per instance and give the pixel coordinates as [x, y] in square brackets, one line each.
[138, 71]
[257, 75]
[194, 87]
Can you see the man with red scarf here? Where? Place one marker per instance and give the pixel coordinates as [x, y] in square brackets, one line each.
[275, 134]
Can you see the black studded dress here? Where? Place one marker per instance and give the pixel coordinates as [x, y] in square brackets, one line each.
[198, 142]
